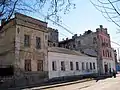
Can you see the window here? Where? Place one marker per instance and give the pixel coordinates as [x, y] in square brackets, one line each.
[54, 44]
[94, 40]
[71, 65]
[38, 43]
[39, 65]
[63, 66]
[110, 54]
[90, 66]
[87, 66]
[45, 37]
[79, 43]
[103, 53]
[27, 65]
[54, 65]
[109, 65]
[83, 67]
[93, 65]
[26, 40]
[74, 46]
[106, 53]
[77, 66]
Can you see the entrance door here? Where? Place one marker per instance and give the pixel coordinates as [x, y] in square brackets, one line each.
[106, 68]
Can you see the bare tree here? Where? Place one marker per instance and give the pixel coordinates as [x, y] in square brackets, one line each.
[110, 9]
[52, 8]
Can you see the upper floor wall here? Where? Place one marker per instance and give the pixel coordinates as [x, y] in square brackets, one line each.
[104, 43]
[53, 36]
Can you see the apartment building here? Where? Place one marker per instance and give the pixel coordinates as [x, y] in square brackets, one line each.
[94, 44]
[64, 62]
[53, 37]
[23, 46]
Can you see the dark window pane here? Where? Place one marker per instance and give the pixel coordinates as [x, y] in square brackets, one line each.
[38, 42]
[71, 65]
[63, 66]
[39, 65]
[28, 65]
[77, 66]
[54, 66]
[26, 40]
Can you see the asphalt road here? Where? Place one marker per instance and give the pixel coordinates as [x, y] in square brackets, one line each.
[105, 84]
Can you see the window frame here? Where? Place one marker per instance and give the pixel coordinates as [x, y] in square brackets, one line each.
[26, 40]
[62, 66]
[38, 42]
[77, 65]
[71, 65]
[54, 67]
[39, 65]
[27, 65]
[90, 66]
[94, 65]
[83, 66]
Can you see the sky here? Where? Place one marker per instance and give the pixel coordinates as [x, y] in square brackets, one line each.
[85, 17]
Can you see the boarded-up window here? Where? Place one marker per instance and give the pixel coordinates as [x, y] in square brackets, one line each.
[62, 65]
[28, 65]
[26, 40]
[39, 65]
[54, 65]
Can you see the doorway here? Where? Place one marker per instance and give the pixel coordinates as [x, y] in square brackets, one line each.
[106, 68]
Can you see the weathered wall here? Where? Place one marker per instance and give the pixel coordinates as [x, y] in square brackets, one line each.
[86, 41]
[53, 36]
[29, 28]
[7, 38]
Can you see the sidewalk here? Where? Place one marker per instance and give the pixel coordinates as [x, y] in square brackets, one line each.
[58, 85]
[81, 83]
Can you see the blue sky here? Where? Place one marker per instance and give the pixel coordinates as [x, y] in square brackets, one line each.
[85, 17]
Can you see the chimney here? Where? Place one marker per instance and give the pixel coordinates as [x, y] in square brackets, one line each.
[72, 37]
[101, 26]
[66, 38]
[75, 35]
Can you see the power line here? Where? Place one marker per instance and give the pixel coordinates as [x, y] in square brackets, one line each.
[115, 43]
[63, 34]
[51, 20]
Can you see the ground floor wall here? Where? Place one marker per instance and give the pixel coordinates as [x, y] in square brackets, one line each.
[24, 79]
[108, 65]
[83, 67]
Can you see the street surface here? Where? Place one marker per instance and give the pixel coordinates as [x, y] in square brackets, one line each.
[105, 84]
